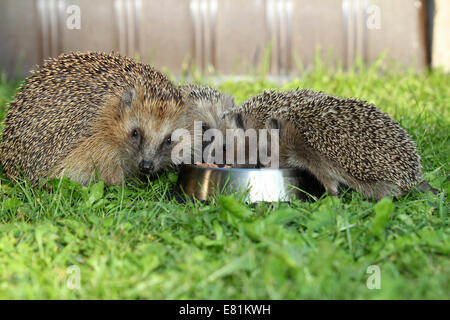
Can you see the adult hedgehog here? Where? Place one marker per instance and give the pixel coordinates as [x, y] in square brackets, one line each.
[84, 114]
[340, 141]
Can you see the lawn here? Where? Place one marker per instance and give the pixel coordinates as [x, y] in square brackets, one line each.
[138, 243]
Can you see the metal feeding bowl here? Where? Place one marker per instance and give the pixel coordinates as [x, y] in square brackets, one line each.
[268, 185]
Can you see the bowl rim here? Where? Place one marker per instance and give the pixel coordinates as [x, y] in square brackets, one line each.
[283, 170]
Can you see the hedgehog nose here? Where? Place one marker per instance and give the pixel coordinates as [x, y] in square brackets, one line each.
[146, 166]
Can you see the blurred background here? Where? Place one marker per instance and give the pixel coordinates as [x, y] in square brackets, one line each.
[227, 37]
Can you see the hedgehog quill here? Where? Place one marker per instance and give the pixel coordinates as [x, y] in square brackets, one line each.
[84, 114]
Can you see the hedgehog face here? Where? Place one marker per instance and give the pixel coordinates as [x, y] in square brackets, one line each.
[209, 108]
[206, 112]
[146, 130]
[214, 127]
[147, 153]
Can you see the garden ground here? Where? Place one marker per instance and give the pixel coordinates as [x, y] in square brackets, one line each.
[128, 243]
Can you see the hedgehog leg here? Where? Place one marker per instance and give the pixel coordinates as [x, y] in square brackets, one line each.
[424, 186]
[387, 189]
[89, 173]
[331, 186]
[114, 179]
[305, 158]
[377, 190]
[329, 183]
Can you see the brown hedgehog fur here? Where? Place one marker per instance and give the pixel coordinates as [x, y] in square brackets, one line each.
[339, 140]
[83, 113]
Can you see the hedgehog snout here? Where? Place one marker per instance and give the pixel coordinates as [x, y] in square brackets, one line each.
[146, 166]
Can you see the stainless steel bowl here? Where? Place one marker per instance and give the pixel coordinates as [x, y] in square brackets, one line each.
[254, 185]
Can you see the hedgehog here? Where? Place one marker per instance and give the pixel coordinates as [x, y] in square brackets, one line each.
[207, 106]
[91, 115]
[340, 141]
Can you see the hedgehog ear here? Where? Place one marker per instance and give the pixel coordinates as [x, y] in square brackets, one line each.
[127, 99]
[239, 120]
[274, 123]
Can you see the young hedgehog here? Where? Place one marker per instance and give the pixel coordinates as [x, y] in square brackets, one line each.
[87, 113]
[338, 140]
[208, 106]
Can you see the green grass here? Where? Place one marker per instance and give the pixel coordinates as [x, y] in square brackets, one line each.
[135, 243]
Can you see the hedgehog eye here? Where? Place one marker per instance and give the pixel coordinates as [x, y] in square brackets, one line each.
[167, 141]
[135, 133]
